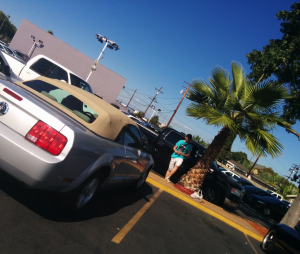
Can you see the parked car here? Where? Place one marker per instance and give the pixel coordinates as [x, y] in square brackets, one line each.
[287, 202]
[242, 181]
[217, 187]
[151, 127]
[21, 55]
[5, 70]
[10, 52]
[44, 66]
[115, 105]
[62, 138]
[276, 195]
[269, 206]
[137, 120]
[231, 174]
[282, 239]
[255, 190]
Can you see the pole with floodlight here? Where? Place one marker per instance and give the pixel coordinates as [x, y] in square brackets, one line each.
[109, 44]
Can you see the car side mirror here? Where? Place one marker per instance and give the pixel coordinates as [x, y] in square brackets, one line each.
[7, 70]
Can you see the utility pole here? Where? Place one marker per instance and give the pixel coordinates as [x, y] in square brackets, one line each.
[131, 98]
[293, 169]
[153, 99]
[187, 89]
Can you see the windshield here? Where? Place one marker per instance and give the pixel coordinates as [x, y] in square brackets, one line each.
[65, 99]
[76, 81]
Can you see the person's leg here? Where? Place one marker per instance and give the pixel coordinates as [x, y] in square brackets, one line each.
[171, 166]
[177, 164]
[173, 170]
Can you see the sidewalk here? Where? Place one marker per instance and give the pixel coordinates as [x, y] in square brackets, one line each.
[224, 215]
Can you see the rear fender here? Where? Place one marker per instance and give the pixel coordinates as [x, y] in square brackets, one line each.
[104, 161]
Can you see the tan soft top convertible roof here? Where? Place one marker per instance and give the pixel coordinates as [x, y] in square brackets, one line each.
[110, 120]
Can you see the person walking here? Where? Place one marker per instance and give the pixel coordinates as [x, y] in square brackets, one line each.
[182, 149]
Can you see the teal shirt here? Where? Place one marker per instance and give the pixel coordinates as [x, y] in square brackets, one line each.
[182, 147]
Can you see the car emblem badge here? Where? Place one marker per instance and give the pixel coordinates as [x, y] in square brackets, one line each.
[3, 108]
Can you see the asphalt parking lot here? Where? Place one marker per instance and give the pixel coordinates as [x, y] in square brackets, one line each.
[117, 222]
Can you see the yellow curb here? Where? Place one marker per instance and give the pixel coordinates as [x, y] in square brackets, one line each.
[204, 209]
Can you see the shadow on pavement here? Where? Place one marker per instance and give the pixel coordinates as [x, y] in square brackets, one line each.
[44, 203]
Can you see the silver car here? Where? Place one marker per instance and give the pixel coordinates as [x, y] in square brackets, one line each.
[58, 137]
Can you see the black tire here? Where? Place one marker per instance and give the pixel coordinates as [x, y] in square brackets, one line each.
[139, 183]
[267, 211]
[213, 194]
[80, 198]
[268, 242]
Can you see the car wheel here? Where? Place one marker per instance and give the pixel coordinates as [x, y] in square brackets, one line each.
[268, 242]
[267, 211]
[139, 183]
[79, 198]
[213, 194]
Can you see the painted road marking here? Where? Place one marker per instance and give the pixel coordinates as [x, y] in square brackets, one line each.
[123, 232]
[204, 209]
[250, 244]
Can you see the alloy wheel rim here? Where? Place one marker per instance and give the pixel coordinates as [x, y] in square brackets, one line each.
[87, 192]
[268, 240]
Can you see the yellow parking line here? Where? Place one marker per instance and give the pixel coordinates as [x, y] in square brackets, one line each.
[250, 244]
[204, 209]
[123, 232]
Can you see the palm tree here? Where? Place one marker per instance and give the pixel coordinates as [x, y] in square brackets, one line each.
[241, 108]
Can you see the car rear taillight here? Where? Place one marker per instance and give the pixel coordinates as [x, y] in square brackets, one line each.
[47, 138]
[11, 93]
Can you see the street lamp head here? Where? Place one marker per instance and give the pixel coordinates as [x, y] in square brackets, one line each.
[32, 37]
[40, 41]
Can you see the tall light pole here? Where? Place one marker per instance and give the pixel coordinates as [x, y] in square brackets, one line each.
[187, 89]
[4, 19]
[109, 44]
[34, 45]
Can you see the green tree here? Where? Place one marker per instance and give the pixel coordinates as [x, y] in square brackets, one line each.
[7, 30]
[139, 114]
[50, 32]
[199, 140]
[238, 107]
[155, 120]
[280, 59]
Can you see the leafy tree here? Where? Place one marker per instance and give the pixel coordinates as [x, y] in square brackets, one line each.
[50, 32]
[199, 140]
[240, 108]
[139, 114]
[7, 30]
[155, 120]
[281, 59]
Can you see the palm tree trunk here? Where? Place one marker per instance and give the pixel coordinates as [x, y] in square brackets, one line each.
[253, 165]
[194, 177]
[293, 214]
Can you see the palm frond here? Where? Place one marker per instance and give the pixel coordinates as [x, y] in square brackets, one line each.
[239, 79]
[210, 115]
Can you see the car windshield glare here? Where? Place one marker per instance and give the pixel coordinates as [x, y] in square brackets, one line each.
[63, 98]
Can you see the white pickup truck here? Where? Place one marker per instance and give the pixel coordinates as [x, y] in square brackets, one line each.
[41, 65]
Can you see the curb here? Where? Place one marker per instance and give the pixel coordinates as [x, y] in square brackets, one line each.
[204, 209]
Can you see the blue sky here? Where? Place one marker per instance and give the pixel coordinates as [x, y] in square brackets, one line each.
[163, 44]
